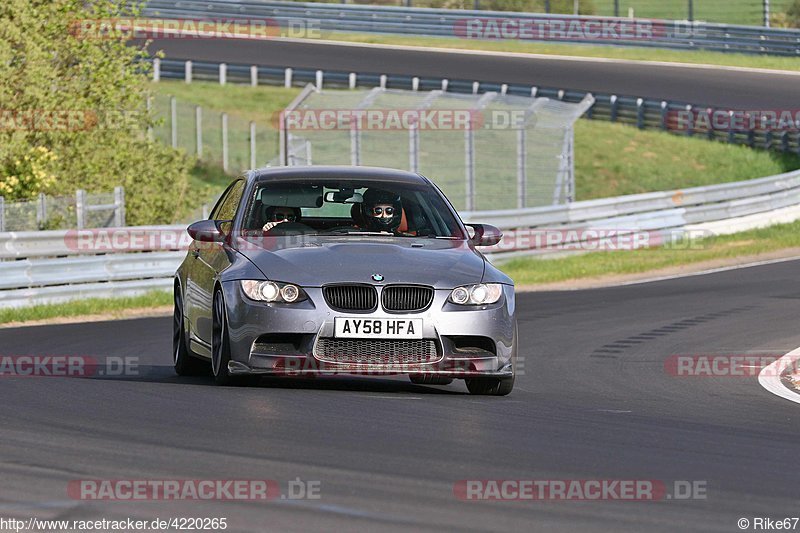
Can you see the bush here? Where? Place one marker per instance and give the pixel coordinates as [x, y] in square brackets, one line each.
[793, 15]
[81, 100]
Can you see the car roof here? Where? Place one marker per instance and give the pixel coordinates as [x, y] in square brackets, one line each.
[337, 173]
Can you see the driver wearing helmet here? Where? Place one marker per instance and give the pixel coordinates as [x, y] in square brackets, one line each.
[381, 211]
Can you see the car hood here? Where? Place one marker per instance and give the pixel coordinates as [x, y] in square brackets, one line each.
[317, 261]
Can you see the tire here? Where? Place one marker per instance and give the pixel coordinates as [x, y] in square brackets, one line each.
[429, 379]
[490, 386]
[220, 345]
[185, 362]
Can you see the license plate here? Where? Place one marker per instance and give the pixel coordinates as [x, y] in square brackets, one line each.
[378, 328]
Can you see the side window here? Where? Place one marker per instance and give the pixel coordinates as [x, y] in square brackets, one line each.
[229, 202]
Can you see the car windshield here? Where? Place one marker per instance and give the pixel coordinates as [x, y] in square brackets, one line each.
[328, 207]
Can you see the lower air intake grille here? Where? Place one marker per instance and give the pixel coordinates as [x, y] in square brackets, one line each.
[377, 352]
[351, 297]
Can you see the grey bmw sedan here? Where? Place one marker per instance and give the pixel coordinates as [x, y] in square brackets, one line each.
[353, 270]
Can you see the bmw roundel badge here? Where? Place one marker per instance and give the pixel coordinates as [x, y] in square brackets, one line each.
[377, 277]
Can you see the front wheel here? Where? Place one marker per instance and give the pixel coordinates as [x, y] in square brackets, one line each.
[490, 386]
[220, 344]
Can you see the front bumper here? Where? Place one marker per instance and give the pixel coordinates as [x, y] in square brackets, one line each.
[282, 339]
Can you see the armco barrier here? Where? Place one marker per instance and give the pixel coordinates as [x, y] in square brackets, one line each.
[47, 266]
[682, 35]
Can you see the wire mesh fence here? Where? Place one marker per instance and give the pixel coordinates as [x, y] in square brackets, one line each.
[82, 210]
[486, 151]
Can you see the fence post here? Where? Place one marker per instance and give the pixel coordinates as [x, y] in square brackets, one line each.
[576, 7]
[287, 78]
[2, 214]
[224, 117]
[254, 76]
[173, 119]
[413, 147]
[198, 130]
[690, 126]
[664, 113]
[355, 144]
[119, 209]
[690, 17]
[469, 151]
[766, 13]
[547, 6]
[522, 165]
[223, 73]
[616, 8]
[149, 106]
[252, 144]
[41, 210]
[80, 208]
[156, 70]
[187, 71]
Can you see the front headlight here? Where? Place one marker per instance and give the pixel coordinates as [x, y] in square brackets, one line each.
[480, 294]
[273, 291]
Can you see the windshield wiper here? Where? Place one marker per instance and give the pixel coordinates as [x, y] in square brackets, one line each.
[358, 232]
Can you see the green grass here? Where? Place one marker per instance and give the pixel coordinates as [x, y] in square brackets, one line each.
[91, 306]
[529, 271]
[580, 50]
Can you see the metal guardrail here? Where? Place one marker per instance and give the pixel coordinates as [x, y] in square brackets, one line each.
[643, 113]
[52, 266]
[682, 35]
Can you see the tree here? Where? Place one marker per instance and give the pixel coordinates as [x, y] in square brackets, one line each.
[73, 109]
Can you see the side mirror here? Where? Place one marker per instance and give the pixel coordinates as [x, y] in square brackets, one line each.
[206, 231]
[485, 235]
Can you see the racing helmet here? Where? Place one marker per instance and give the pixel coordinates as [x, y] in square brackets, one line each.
[385, 220]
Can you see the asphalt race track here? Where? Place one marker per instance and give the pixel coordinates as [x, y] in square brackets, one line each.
[594, 402]
[737, 89]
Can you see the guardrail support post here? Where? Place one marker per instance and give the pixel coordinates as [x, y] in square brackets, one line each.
[252, 144]
[156, 69]
[173, 121]
[415, 84]
[475, 86]
[785, 141]
[383, 81]
[119, 209]
[224, 118]
[80, 208]
[254, 76]
[223, 73]
[640, 113]
[41, 210]
[187, 71]
[664, 113]
[287, 78]
[731, 134]
[319, 80]
[2, 214]
[504, 89]
[690, 126]
[613, 100]
[445, 84]
[768, 139]
[198, 130]
[352, 80]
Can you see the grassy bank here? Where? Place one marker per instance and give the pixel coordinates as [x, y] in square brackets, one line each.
[528, 271]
